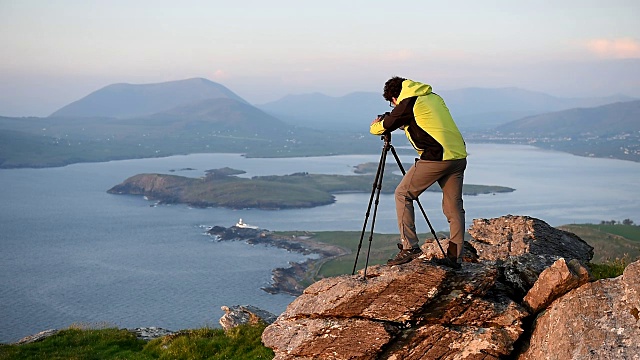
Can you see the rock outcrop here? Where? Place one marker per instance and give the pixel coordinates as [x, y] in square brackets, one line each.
[554, 282]
[244, 314]
[599, 320]
[416, 311]
[151, 332]
[514, 268]
[37, 337]
[508, 236]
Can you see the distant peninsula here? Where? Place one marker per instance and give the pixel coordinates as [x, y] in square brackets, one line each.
[222, 188]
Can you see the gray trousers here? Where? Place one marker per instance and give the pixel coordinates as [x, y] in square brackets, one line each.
[449, 175]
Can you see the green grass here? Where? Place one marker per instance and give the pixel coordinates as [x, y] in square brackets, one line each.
[239, 343]
[610, 242]
[383, 247]
[609, 269]
[630, 232]
[615, 246]
[80, 344]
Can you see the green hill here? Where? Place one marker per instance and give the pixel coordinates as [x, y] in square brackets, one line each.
[609, 131]
[610, 242]
[612, 119]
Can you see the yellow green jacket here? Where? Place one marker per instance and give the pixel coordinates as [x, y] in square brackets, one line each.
[426, 121]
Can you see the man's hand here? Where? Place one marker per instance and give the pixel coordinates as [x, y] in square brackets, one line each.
[379, 118]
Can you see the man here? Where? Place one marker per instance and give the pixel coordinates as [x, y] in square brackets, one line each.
[431, 130]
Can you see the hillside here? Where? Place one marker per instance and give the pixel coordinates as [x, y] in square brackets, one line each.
[610, 242]
[207, 126]
[606, 131]
[133, 100]
[611, 119]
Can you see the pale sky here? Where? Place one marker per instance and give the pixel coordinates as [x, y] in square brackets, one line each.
[55, 52]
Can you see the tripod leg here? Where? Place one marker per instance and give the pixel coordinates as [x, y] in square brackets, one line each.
[424, 213]
[376, 181]
[375, 209]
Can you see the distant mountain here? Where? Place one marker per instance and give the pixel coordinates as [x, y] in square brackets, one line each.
[473, 108]
[482, 108]
[221, 115]
[608, 131]
[489, 100]
[352, 112]
[617, 118]
[128, 100]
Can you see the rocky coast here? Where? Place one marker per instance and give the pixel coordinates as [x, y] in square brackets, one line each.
[294, 279]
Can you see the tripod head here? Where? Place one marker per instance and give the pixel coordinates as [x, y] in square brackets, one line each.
[386, 137]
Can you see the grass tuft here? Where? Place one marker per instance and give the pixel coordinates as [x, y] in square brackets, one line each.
[608, 269]
[243, 342]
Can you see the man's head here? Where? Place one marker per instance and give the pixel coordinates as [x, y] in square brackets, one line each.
[392, 88]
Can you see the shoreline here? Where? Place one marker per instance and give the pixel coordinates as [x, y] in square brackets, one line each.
[295, 278]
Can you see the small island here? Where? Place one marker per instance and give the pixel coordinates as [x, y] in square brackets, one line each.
[222, 188]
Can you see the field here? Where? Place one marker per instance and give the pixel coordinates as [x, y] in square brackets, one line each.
[610, 242]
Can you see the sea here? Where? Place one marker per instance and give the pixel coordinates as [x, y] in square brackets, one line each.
[72, 254]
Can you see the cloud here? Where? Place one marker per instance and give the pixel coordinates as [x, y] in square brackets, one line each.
[219, 74]
[623, 48]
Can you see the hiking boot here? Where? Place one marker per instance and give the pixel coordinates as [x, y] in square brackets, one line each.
[452, 256]
[404, 256]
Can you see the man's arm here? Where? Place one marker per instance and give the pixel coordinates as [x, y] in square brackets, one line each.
[400, 116]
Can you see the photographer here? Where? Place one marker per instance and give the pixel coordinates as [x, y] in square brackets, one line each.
[431, 130]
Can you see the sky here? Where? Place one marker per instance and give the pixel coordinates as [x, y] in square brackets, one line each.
[55, 52]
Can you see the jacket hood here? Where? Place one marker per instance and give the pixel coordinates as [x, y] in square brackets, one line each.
[412, 88]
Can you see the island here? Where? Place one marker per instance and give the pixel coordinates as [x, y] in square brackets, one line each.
[223, 188]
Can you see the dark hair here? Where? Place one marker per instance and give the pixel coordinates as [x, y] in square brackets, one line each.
[392, 88]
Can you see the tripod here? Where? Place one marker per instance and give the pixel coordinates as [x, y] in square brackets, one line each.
[377, 187]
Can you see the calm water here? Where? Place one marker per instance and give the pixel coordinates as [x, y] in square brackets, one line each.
[70, 252]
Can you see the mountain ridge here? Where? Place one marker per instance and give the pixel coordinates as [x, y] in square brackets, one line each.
[614, 118]
[124, 100]
[473, 108]
[198, 115]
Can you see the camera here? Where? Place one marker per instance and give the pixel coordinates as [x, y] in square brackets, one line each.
[382, 116]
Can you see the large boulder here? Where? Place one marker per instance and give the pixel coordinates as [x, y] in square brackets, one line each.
[599, 320]
[523, 247]
[414, 311]
[499, 238]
